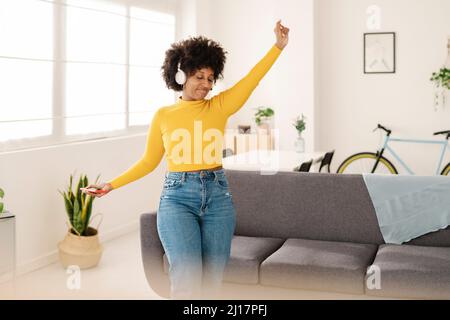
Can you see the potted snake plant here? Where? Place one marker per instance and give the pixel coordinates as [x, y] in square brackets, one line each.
[81, 245]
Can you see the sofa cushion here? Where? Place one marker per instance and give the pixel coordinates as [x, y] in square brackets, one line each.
[408, 271]
[319, 265]
[247, 253]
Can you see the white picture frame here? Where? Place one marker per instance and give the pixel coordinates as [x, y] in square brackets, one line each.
[379, 52]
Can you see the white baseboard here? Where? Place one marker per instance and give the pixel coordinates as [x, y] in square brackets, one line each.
[5, 277]
[37, 263]
[119, 231]
[52, 257]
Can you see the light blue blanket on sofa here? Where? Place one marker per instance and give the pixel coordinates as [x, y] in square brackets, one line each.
[409, 206]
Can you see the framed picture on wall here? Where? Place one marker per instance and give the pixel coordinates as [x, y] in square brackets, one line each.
[379, 52]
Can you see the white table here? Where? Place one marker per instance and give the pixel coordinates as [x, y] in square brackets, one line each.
[270, 161]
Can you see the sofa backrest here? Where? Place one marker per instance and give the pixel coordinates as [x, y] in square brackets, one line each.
[319, 206]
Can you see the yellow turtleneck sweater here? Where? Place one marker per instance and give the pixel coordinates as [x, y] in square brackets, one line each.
[190, 133]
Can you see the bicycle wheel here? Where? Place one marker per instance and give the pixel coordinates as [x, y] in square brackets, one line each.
[363, 163]
[446, 171]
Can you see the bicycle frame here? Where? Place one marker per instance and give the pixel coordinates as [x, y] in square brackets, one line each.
[444, 143]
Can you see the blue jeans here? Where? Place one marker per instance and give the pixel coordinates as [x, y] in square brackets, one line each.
[196, 221]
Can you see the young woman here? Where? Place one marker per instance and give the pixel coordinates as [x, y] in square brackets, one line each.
[196, 217]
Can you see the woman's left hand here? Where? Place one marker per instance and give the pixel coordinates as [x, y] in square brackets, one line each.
[282, 34]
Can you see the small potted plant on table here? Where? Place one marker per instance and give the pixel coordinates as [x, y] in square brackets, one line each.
[300, 126]
[263, 116]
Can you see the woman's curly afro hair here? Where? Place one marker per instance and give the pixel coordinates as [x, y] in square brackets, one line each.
[194, 53]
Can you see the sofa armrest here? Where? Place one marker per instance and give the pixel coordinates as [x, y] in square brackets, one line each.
[152, 255]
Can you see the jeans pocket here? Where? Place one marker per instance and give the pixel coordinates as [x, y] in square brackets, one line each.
[222, 183]
[172, 184]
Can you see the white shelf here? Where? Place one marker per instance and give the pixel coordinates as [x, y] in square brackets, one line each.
[6, 214]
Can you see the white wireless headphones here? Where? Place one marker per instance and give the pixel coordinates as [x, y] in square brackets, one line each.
[180, 76]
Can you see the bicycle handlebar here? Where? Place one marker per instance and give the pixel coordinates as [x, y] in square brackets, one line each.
[383, 128]
[388, 131]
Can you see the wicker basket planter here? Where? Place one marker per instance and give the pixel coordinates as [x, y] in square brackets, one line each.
[82, 251]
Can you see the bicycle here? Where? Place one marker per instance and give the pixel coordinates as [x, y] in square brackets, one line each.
[369, 162]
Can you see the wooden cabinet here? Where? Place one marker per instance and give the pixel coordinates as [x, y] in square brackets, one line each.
[240, 143]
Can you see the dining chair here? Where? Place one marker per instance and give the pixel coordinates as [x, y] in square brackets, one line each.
[227, 152]
[304, 167]
[326, 161]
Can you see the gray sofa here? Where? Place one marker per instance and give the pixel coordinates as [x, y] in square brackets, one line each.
[313, 235]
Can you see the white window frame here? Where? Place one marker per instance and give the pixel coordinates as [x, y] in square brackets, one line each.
[58, 136]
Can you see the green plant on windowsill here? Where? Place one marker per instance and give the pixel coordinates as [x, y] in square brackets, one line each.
[263, 114]
[441, 78]
[2, 194]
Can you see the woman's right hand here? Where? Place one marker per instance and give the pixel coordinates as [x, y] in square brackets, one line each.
[282, 35]
[102, 189]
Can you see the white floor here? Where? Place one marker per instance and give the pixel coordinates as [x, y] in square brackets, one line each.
[119, 275]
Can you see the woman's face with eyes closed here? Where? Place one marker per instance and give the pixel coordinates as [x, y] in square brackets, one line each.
[198, 84]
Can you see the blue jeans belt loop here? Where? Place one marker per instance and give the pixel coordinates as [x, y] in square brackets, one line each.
[183, 177]
[216, 177]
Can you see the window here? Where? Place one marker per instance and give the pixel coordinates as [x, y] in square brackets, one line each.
[26, 68]
[80, 69]
[151, 34]
[95, 69]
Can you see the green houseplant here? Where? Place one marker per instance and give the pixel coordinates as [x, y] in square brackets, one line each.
[263, 114]
[300, 126]
[2, 194]
[81, 244]
[78, 206]
[441, 80]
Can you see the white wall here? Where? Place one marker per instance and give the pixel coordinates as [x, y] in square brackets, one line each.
[186, 18]
[245, 29]
[350, 103]
[31, 180]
